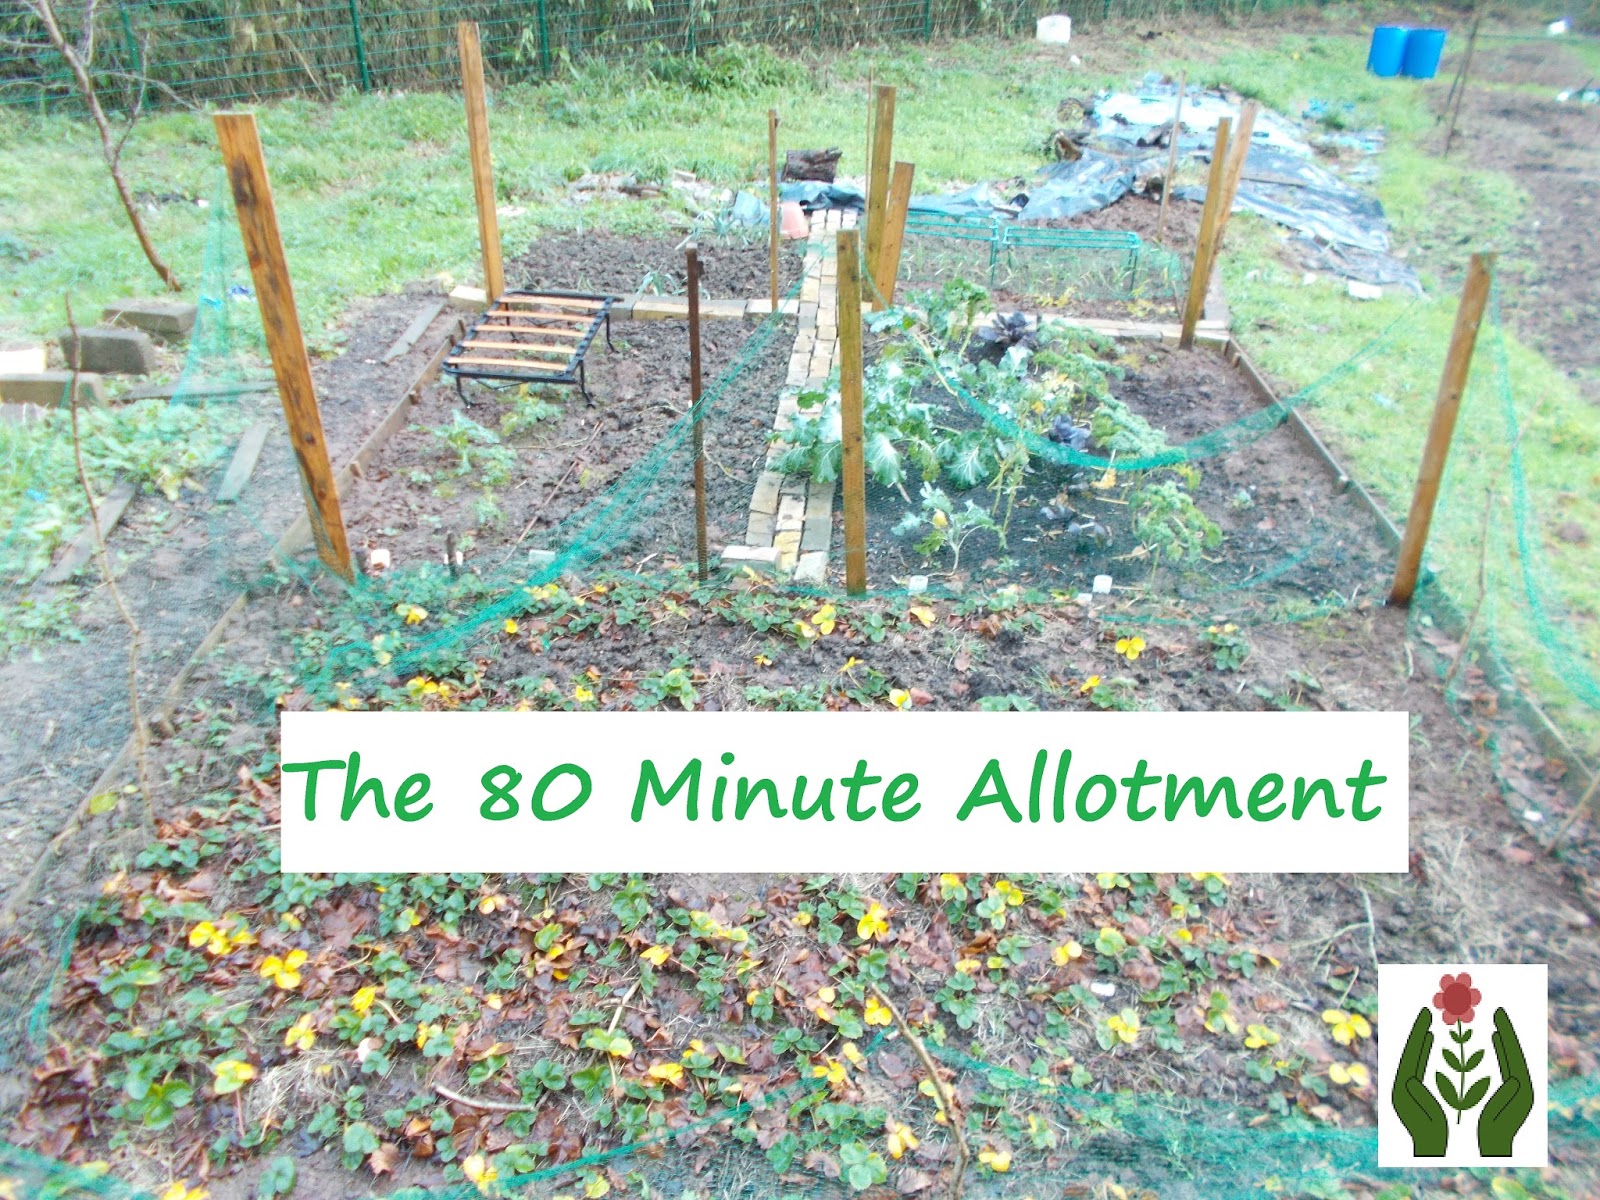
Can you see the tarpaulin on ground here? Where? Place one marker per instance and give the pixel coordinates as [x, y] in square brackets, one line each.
[1342, 228]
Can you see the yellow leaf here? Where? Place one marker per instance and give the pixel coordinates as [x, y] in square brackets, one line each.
[1066, 953]
[656, 956]
[924, 614]
[998, 1161]
[363, 999]
[1089, 684]
[284, 971]
[824, 619]
[875, 1013]
[302, 1034]
[1259, 1036]
[901, 1139]
[104, 802]
[582, 694]
[510, 626]
[667, 1072]
[900, 698]
[827, 995]
[230, 1075]
[178, 1190]
[414, 614]
[477, 1169]
[874, 924]
[597, 1186]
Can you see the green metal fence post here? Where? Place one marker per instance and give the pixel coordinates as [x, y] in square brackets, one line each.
[544, 41]
[134, 58]
[361, 48]
[927, 20]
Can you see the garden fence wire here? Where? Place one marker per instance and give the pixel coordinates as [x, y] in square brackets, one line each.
[641, 526]
[225, 53]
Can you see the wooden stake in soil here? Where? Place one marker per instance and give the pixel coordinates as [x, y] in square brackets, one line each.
[894, 232]
[700, 548]
[878, 187]
[494, 279]
[853, 469]
[772, 201]
[258, 223]
[1172, 160]
[1458, 88]
[1452, 385]
[1200, 275]
[1237, 154]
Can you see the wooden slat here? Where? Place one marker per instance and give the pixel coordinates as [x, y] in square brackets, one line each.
[552, 301]
[244, 462]
[108, 512]
[853, 469]
[522, 364]
[1452, 384]
[526, 347]
[494, 279]
[570, 318]
[894, 229]
[878, 185]
[263, 244]
[418, 327]
[1200, 274]
[523, 327]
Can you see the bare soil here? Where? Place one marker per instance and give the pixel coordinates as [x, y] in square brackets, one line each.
[1552, 149]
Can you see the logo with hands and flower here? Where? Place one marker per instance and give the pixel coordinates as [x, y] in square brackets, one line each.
[1433, 1095]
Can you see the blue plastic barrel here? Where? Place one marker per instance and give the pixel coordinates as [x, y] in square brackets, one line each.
[1424, 47]
[1388, 50]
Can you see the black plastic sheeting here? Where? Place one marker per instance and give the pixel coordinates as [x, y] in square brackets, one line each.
[1064, 190]
[1345, 228]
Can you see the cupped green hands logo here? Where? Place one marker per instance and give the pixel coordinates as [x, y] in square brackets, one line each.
[1420, 1110]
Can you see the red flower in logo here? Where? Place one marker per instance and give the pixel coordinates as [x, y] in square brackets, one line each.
[1457, 999]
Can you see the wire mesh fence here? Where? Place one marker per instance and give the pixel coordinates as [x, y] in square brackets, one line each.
[229, 51]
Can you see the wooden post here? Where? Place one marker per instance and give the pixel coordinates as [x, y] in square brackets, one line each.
[1236, 159]
[772, 200]
[494, 279]
[894, 229]
[878, 184]
[1172, 160]
[1200, 275]
[853, 469]
[263, 245]
[700, 548]
[1458, 88]
[1452, 384]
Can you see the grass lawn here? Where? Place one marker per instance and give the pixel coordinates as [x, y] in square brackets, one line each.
[374, 193]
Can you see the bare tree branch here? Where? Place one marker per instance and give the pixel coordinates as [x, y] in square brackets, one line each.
[78, 59]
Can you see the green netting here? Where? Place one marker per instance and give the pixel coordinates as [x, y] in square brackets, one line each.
[1037, 266]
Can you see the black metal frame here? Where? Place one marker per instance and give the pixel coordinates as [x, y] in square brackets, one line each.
[574, 375]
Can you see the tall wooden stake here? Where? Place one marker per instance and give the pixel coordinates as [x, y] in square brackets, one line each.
[1452, 385]
[894, 229]
[853, 470]
[772, 201]
[1458, 88]
[1172, 160]
[1200, 275]
[494, 279]
[878, 187]
[700, 548]
[280, 321]
[1237, 153]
